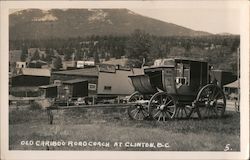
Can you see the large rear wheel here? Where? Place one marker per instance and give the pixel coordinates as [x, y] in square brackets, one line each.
[211, 101]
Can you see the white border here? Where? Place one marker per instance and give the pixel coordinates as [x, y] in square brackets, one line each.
[6, 154]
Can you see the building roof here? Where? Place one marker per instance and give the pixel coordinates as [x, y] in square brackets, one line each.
[219, 70]
[122, 61]
[35, 72]
[92, 72]
[48, 86]
[72, 81]
[38, 61]
[233, 84]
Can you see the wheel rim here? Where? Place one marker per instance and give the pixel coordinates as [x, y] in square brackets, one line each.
[137, 111]
[162, 107]
[135, 97]
[211, 101]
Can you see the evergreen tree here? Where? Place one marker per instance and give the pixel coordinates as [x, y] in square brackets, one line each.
[96, 57]
[36, 56]
[138, 46]
[68, 54]
[43, 58]
[235, 45]
[79, 55]
[49, 54]
[57, 63]
[24, 53]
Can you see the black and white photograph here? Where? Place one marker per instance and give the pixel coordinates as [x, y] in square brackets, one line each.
[137, 78]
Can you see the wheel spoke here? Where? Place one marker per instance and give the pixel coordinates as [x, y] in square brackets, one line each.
[172, 106]
[164, 116]
[185, 112]
[134, 110]
[168, 111]
[169, 102]
[178, 109]
[143, 113]
[157, 113]
[166, 99]
[217, 94]
[168, 114]
[159, 116]
[136, 114]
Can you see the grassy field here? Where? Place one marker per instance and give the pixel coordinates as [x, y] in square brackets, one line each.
[113, 125]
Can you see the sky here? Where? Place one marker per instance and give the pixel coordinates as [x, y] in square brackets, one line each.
[209, 20]
[220, 20]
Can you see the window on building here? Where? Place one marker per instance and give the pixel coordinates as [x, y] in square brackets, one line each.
[92, 87]
[107, 88]
[57, 82]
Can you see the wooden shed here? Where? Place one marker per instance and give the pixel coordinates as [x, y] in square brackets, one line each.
[48, 91]
[75, 88]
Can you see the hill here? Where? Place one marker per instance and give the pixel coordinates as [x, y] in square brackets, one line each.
[71, 23]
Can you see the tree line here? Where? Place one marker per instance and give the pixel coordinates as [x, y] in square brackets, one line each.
[218, 50]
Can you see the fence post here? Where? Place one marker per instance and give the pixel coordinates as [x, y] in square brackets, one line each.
[50, 116]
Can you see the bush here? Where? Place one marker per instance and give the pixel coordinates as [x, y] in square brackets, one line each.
[35, 106]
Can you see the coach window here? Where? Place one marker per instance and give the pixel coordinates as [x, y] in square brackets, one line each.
[182, 74]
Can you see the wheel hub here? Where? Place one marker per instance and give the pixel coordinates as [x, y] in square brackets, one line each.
[138, 106]
[162, 107]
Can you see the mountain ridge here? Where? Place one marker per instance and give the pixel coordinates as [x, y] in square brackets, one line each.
[59, 23]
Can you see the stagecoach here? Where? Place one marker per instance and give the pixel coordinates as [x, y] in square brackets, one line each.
[175, 88]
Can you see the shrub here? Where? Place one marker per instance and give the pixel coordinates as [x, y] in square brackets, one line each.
[35, 106]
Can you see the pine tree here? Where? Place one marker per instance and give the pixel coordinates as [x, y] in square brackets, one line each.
[57, 63]
[138, 46]
[49, 54]
[24, 54]
[36, 55]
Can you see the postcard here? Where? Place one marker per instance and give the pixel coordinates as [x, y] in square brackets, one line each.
[124, 80]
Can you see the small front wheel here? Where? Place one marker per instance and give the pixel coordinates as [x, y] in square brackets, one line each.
[162, 106]
[137, 110]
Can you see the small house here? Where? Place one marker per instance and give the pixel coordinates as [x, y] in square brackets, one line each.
[21, 65]
[69, 65]
[103, 80]
[31, 77]
[84, 64]
[48, 91]
[232, 89]
[74, 88]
